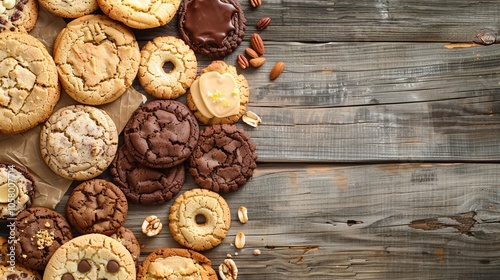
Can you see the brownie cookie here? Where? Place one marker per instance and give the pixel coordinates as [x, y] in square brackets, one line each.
[18, 15]
[18, 272]
[219, 94]
[91, 256]
[127, 238]
[29, 81]
[161, 133]
[154, 79]
[140, 14]
[199, 219]
[17, 188]
[79, 142]
[40, 232]
[97, 206]
[214, 28]
[175, 263]
[97, 59]
[224, 158]
[70, 9]
[145, 185]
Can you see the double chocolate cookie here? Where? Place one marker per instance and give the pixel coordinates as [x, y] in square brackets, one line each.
[214, 28]
[145, 185]
[161, 134]
[224, 158]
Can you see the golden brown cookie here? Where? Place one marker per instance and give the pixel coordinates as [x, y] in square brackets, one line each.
[218, 95]
[199, 219]
[97, 59]
[18, 15]
[91, 256]
[127, 238]
[18, 271]
[140, 14]
[29, 83]
[159, 52]
[70, 9]
[175, 263]
[79, 142]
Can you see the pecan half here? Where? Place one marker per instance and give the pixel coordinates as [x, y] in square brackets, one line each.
[263, 23]
[257, 44]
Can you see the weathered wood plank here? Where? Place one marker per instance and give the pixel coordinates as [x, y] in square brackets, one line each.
[389, 221]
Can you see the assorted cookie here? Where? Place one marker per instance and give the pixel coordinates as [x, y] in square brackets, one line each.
[97, 59]
[17, 188]
[213, 36]
[30, 86]
[18, 15]
[91, 256]
[97, 206]
[175, 263]
[39, 232]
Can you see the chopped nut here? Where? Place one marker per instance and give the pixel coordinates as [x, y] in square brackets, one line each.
[251, 119]
[243, 213]
[263, 23]
[256, 252]
[151, 226]
[47, 225]
[44, 239]
[228, 270]
[239, 241]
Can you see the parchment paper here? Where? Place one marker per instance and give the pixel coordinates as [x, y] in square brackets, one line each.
[24, 148]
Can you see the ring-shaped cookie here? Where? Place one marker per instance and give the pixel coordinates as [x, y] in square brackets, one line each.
[199, 219]
[155, 55]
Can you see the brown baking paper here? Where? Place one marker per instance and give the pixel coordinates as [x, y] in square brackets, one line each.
[24, 148]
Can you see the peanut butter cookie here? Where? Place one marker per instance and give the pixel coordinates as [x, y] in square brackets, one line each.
[79, 142]
[30, 86]
[70, 9]
[97, 59]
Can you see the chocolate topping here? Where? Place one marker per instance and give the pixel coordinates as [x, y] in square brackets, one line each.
[113, 267]
[83, 266]
[209, 21]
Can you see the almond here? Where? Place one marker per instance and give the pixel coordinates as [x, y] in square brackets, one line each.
[257, 62]
[257, 44]
[242, 61]
[255, 3]
[263, 23]
[277, 70]
[251, 53]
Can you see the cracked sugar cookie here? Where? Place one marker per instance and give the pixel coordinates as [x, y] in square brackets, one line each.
[175, 263]
[199, 219]
[97, 59]
[140, 14]
[79, 142]
[70, 9]
[18, 15]
[29, 84]
[91, 256]
[162, 51]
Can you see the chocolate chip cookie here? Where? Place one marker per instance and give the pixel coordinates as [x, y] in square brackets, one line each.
[17, 187]
[18, 15]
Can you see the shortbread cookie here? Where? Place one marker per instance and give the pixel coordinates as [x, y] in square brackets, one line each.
[17, 188]
[175, 263]
[219, 94]
[70, 9]
[40, 232]
[97, 206]
[224, 158]
[159, 52]
[199, 219]
[91, 256]
[127, 238]
[97, 59]
[212, 27]
[79, 142]
[140, 14]
[18, 15]
[18, 272]
[145, 185]
[161, 134]
[29, 82]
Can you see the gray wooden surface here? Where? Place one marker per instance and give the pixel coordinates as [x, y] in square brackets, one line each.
[379, 147]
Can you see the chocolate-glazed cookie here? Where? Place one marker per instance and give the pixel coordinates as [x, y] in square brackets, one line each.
[161, 133]
[214, 28]
[97, 206]
[40, 232]
[224, 158]
[145, 185]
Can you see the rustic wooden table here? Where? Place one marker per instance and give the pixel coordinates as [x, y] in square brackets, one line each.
[379, 146]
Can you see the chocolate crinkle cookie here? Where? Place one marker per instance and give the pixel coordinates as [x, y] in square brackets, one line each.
[224, 158]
